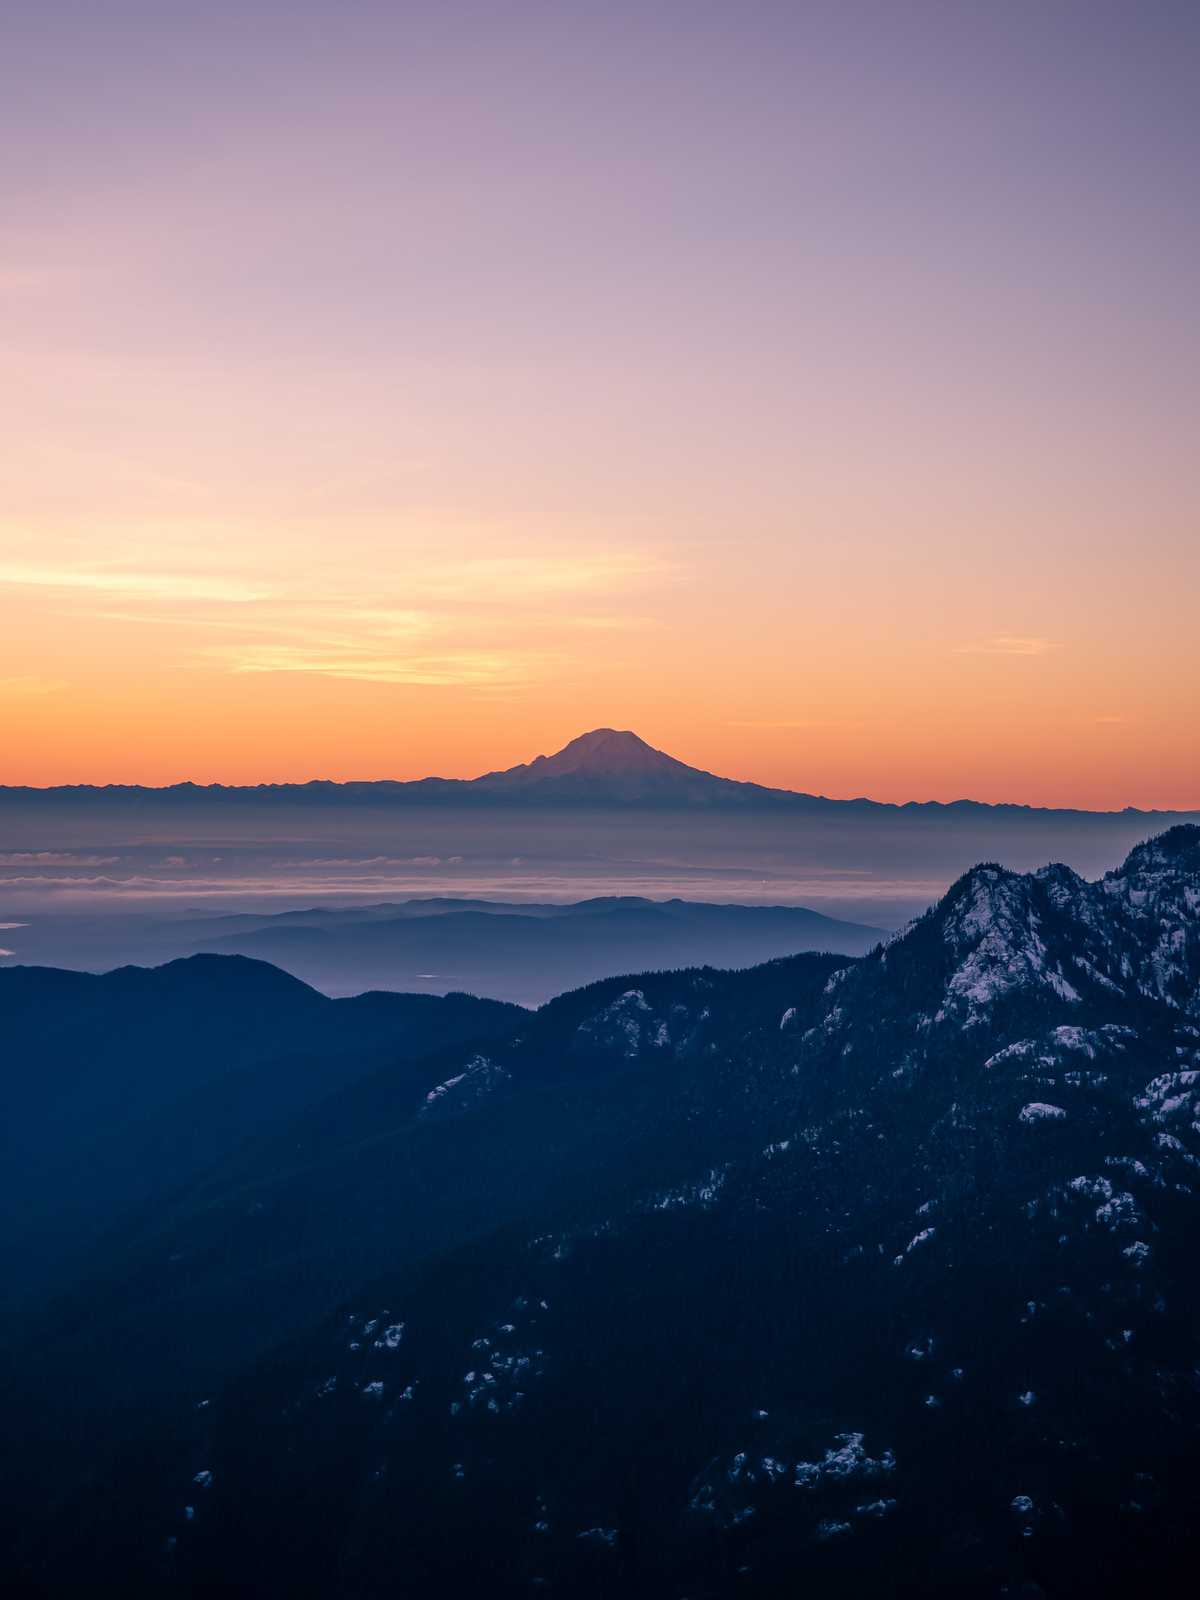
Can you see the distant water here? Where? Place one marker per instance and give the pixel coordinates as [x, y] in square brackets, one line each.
[108, 882]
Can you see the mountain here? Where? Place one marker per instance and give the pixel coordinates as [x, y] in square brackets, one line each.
[608, 767]
[120, 1087]
[525, 952]
[875, 1277]
[604, 768]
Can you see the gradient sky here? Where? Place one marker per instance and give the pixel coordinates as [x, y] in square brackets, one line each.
[405, 388]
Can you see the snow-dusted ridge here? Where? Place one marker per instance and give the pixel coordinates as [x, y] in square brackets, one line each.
[1005, 934]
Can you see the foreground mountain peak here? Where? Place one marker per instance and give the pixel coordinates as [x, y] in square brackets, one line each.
[1176, 850]
[827, 1230]
[1052, 937]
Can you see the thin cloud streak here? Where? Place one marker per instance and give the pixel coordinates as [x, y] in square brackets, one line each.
[491, 579]
[52, 858]
[1008, 644]
[358, 636]
[31, 684]
[463, 668]
[164, 585]
[789, 724]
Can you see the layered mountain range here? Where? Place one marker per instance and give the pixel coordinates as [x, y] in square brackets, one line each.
[519, 951]
[836, 1276]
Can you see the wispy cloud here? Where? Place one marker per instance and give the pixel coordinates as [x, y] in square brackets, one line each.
[491, 624]
[1008, 644]
[30, 684]
[334, 625]
[377, 861]
[51, 858]
[452, 668]
[156, 585]
[492, 578]
[388, 621]
[792, 724]
[606, 624]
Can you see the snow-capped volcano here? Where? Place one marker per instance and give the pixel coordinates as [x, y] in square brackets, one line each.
[604, 752]
[610, 764]
[607, 767]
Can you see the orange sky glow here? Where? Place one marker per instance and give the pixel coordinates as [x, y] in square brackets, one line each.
[841, 449]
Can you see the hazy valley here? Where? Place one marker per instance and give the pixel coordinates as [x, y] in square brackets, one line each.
[92, 878]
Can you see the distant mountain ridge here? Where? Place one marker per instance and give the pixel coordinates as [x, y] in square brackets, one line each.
[520, 952]
[605, 767]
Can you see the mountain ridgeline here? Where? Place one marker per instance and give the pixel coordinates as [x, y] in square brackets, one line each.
[121, 1085]
[607, 767]
[524, 952]
[838, 1276]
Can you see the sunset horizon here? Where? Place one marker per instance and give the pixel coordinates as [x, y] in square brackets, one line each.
[549, 748]
[828, 415]
[600, 799]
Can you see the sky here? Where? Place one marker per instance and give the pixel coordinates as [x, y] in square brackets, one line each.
[394, 389]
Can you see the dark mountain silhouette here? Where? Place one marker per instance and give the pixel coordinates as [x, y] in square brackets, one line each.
[610, 767]
[603, 768]
[119, 1086]
[876, 1273]
[520, 952]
